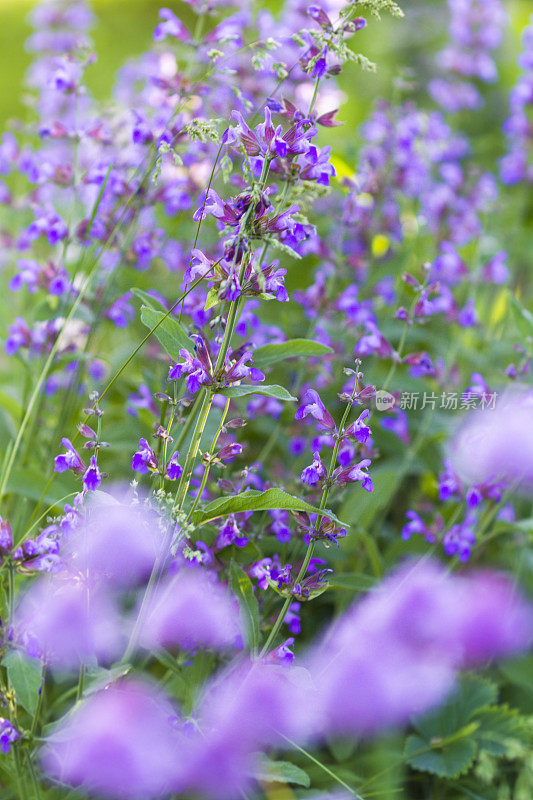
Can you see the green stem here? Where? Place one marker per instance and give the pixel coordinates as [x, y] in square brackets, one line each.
[207, 469]
[193, 448]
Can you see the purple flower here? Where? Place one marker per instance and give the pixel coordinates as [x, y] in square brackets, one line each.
[170, 26]
[395, 653]
[70, 623]
[8, 735]
[144, 460]
[189, 611]
[496, 444]
[117, 541]
[314, 407]
[92, 478]
[192, 367]
[315, 471]
[68, 460]
[174, 470]
[355, 473]
[292, 618]
[358, 430]
[120, 742]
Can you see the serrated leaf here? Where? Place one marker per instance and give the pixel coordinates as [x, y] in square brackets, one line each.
[256, 501]
[523, 318]
[501, 731]
[294, 348]
[172, 336]
[269, 391]
[243, 589]
[269, 771]
[449, 761]
[25, 675]
[148, 300]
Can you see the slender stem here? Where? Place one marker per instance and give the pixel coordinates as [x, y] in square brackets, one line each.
[207, 469]
[193, 449]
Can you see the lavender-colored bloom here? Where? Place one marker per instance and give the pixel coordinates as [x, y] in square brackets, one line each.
[359, 430]
[396, 652]
[355, 473]
[69, 622]
[120, 742]
[174, 470]
[8, 735]
[497, 443]
[92, 478]
[250, 707]
[144, 460]
[116, 541]
[314, 472]
[190, 611]
[70, 459]
[292, 618]
[314, 407]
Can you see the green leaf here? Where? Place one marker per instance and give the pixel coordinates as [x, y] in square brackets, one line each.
[523, 318]
[212, 299]
[294, 348]
[447, 738]
[447, 762]
[270, 391]
[356, 581]
[148, 300]
[269, 771]
[168, 331]
[25, 675]
[501, 731]
[243, 589]
[256, 501]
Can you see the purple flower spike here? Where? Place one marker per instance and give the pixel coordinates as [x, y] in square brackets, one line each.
[313, 406]
[359, 430]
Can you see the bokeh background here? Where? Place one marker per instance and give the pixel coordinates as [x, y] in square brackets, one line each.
[402, 49]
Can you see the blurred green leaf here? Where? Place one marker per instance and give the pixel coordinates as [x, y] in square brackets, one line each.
[172, 336]
[523, 318]
[243, 589]
[294, 348]
[270, 771]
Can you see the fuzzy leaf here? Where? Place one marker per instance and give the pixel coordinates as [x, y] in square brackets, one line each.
[172, 336]
[272, 353]
[243, 589]
[25, 676]
[449, 761]
[269, 771]
[269, 391]
[256, 501]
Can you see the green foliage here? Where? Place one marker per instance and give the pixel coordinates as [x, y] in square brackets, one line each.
[270, 771]
[252, 500]
[268, 391]
[170, 333]
[243, 589]
[25, 676]
[293, 348]
[448, 740]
